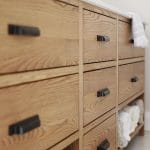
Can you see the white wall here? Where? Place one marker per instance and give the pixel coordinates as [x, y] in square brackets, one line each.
[142, 7]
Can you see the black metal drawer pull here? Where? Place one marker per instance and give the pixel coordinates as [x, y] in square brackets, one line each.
[24, 125]
[134, 79]
[104, 145]
[131, 41]
[23, 30]
[102, 38]
[103, 92]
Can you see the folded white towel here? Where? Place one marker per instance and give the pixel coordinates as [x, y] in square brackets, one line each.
[139, 36]
[140, 104]
[124, 125]
[134, 113]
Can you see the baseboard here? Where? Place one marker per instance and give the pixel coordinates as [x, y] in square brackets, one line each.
[147, 121]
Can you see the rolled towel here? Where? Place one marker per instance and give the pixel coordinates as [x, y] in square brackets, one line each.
[140, 104]
[134, 113]
[138, 32]
[124, 125]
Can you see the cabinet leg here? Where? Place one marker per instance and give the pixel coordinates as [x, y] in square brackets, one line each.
[141, 133]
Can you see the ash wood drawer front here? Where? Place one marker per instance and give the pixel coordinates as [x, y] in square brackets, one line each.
[131, 80]
[55, 101]
[102, 136]
[126, 47]
[99, 93]
[24, 49]
[99, 37]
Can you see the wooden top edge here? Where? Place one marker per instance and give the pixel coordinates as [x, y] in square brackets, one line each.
[129, 100]
[99, 10]
[102, 65]
[132, 60]
[66, 142]
[124, 19]
[27, 77]
[72, 2]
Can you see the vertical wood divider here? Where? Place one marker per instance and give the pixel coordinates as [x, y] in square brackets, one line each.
[80, 76]
[117, 80]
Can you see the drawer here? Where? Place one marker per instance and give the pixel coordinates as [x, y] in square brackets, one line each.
[99, 93]
[56, 103]
[126, 48]
[131, 80]
[102, 135]
[57, 44]
[100, 38]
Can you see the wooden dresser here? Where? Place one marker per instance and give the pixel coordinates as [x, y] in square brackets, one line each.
[66, 69]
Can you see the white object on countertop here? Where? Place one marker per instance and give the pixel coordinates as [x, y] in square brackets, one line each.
[138, 32]
[124, 126]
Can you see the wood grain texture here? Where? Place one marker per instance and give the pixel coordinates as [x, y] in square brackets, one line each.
[97, 135]
[73, 146]
[127, 49]
[124, 19]
[96, 66]
[126, 87]
[72, 2]
[94, 81]
[97, 9]
[57, 45]
[131, 60]
[96, 24]
[80, 76]
[26, 77]
[71, 140]
[56, 103]
[129, 100]
[99, 120]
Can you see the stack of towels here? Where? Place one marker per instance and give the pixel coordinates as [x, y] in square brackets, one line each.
[128, 120]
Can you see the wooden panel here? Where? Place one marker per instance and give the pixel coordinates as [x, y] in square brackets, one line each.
[99, 120]
[73, 146]
[57, 44]
[130, 99]
[124, 19]
[126, 87]
[132, 60]
[73, 2]
[96, 66]
[106, 130]
[26, 77]
[127, 49]
[98, 9]
[96, 24]
[80, 76]
[66, 142]
[56, 103]
[94, 81]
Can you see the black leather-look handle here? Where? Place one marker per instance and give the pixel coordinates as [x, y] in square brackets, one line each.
[24, 126]
[23, 30]
[104, 145]
[104, 92]
[134, 79]
[103, 38]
